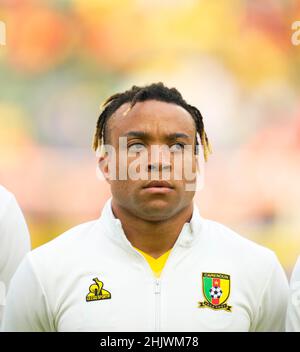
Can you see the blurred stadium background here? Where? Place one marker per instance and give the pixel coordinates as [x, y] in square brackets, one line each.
[233, 59]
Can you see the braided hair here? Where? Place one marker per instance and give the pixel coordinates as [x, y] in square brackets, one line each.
[155, 91]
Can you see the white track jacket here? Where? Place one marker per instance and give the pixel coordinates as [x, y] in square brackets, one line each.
[92, 279]
[14, 241]
[293, 312]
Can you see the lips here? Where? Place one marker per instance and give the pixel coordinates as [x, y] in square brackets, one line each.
[158, 184]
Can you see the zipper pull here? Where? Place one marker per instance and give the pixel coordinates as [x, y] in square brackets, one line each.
[157, 287]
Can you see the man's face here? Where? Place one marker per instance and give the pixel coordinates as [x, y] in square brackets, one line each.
[156, 133]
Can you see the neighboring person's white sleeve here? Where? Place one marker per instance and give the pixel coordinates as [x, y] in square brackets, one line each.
[26, 303]
[293, 313]
[272, 305]
[14, 244]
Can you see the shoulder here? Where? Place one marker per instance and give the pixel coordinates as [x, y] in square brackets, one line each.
[255, 268]
[237, 246]
[296, 272]
[14, 235]
[10, 211]
[67, 244]
[64, 257]
[6, 198]
[4, 192]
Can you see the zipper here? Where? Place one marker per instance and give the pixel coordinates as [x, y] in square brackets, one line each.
[157, 286]
[157, 291]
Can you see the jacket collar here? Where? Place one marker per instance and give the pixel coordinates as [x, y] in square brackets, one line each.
[189, 234]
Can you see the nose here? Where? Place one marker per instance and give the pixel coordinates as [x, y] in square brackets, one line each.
[159, 159]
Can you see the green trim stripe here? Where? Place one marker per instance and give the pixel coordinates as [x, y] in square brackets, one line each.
[207, 283]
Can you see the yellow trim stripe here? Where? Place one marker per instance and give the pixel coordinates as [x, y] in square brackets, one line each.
[156, 264]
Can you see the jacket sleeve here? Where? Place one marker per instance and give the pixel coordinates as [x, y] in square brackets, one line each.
[14, 244]
[271, 314]
[26, 309]
[293, 312]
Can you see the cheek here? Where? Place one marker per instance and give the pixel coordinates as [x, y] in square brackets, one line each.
[120, 189]
[121, 163]
[134, 167]
[185, 168]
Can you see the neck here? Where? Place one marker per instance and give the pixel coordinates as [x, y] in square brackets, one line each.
[152, 237]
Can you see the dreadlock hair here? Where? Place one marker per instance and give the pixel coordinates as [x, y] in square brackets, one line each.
[155, 91]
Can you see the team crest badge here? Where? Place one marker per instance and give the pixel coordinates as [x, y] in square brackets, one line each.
[97, 292]
[216, 291]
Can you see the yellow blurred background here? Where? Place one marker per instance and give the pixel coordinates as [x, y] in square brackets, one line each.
[233, 59]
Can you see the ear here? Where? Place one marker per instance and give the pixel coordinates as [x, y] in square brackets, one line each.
[103, 163]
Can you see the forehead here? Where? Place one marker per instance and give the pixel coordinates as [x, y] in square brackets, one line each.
[153, 117]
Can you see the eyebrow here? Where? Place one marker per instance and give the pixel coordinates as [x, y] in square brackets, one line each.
[145, 135]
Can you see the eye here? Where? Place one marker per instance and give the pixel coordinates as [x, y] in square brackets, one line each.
[136, 147]
[177, 147]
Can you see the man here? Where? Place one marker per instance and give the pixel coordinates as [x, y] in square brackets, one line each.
[151, 262]
[14, 241]
[293, 311]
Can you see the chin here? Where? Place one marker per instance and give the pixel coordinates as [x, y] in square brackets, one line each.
[157, 209]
